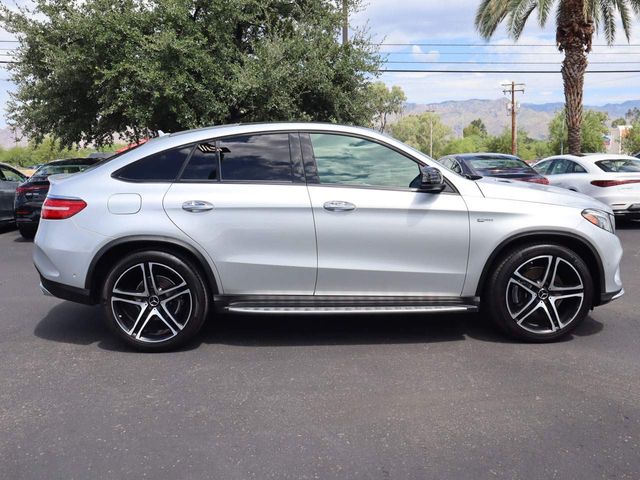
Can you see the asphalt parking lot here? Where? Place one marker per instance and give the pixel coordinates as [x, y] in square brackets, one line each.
[315, 397]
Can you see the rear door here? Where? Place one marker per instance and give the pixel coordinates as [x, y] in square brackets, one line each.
[244, 200]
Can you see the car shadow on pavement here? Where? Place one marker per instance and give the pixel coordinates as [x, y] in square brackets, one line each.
[7, 228]
[84, 325]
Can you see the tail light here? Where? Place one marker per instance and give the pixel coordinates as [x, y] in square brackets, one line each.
[612, 183]
[31, 189]
[540, 180]
[61, 208]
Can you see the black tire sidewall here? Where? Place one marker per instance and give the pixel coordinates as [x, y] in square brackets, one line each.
[495, 291]
[194, 281]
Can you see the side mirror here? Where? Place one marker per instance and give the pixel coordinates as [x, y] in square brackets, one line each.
[431, 180]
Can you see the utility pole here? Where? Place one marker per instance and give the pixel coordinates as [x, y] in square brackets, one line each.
[430, 131]
[345, 22]
[512, 88]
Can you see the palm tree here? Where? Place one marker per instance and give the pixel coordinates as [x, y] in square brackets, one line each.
[576, 23]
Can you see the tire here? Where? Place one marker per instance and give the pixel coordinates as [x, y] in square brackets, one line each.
[155, 301]
[538, 292]
[27, 231]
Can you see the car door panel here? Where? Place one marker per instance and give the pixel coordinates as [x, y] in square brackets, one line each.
[392, 243]
[260, 237]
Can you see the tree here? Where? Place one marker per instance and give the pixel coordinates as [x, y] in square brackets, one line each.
[467, 144]
[593, 129]
[425, 132]
[385, 102]
[476, 127]
[617, 122]
[633, 115]
[631, 141]
[88, 70]
[576, 23]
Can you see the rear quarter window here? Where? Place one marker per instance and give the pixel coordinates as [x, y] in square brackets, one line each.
[160, 167]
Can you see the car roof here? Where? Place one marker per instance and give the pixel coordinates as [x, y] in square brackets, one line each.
[591, 157]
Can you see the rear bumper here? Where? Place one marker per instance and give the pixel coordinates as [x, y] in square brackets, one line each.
[66, 292]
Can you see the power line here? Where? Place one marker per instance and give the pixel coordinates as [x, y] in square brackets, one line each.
[502, 53]
[400, 70]
[482, 45]
[448, 62]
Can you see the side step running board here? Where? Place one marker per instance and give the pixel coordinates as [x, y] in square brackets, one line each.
[239, 308]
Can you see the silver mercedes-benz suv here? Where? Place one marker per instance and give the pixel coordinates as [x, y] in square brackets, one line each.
[293, 218]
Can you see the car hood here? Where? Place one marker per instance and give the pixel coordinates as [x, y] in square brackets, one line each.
[504, 189]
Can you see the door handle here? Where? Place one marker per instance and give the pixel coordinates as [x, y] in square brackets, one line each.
[196, 206]
[339, 206]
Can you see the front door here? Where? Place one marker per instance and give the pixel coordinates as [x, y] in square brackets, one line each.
[243, 199]
[9, 181]
[377, 233]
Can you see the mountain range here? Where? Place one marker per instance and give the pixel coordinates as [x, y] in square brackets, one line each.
[534, 118]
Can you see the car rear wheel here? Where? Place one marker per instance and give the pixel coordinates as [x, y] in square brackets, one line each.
[27, 231]
[155, 301]
[539, 293]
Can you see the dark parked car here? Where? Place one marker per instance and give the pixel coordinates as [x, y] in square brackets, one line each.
[492, 165]
[30, 194]
[10, 178]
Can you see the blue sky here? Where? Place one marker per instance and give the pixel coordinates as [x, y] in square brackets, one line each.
[414, 22]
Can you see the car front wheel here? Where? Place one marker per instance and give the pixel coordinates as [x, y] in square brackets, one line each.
[155, 301]
[539, 292]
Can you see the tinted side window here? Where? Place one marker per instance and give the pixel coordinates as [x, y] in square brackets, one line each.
[560, 166]
[347, 160]
[203, 164]
[542, 167]
[159, 167]
[263, 157]
[575, 168]
[11, 176]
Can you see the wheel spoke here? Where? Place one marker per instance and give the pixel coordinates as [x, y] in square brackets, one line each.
[554, 287]
[530, 284]
[137, 321]
[548, 269]
[134, 300]
[528, 310]
[130, 293]
[164, 293]
[168, 323]
[552, 315]
[144, 324]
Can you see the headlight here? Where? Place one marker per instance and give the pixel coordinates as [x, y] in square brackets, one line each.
[600, 219]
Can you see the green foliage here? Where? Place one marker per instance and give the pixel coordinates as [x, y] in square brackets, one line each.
[594, 127]
[467, 144]
[384, 102]
[476, 127]
[88, 70]
[633, 115]
[631, 141]
[419, 130]
[618, 121]
[44, 152]
[527, 148]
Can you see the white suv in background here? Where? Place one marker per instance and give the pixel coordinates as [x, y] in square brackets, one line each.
[293, 218]
[612, 179]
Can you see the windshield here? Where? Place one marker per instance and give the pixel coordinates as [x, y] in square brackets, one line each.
[488, 166]
[47, 170]
[619, 165]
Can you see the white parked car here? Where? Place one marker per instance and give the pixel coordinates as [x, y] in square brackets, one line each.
[612, 179]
